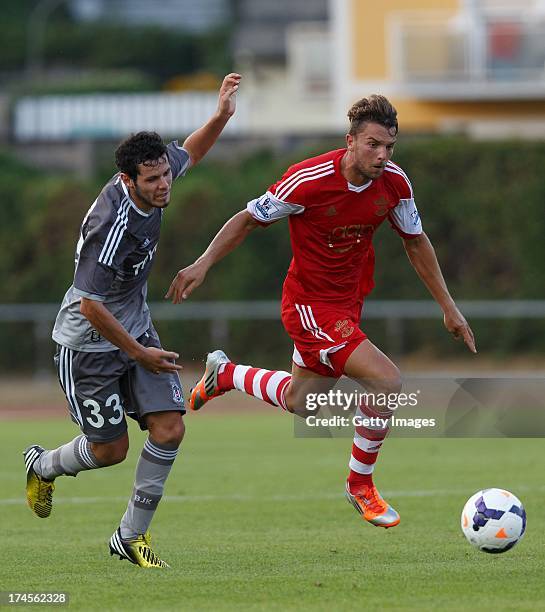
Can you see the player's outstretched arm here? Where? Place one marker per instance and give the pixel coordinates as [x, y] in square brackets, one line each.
[154, 359]
[422, 256]
[200, 141]
[225, 241]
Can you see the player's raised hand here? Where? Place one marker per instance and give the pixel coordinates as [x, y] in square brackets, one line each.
[227, 94]
[457, 325]
[185, 282]
[157, 360]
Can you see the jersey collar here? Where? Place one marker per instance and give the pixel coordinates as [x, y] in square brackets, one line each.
[358, 188]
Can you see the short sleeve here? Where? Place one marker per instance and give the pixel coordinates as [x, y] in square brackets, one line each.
[404, 217]
[289, 195]
[100, 254]
[268, 209]
[178, 158]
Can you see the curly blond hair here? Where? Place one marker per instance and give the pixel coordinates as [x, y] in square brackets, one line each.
[374, 109]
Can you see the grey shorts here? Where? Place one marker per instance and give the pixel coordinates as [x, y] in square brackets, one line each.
[101, 388]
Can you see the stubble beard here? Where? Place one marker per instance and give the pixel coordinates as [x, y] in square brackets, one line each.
[365, 174]
[148, 202]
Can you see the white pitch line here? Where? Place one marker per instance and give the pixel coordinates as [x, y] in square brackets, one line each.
[270, 498]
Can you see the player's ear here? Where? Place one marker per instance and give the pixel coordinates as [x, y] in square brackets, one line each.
[127, 179]
[349, 142]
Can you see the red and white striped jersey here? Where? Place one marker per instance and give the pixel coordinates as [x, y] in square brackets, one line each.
[332, 224]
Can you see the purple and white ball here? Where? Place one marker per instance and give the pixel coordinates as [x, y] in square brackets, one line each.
[493, 520]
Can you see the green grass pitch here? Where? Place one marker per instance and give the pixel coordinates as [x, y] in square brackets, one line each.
[255, 519]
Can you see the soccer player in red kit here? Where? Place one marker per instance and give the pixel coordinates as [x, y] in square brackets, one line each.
[334, 203]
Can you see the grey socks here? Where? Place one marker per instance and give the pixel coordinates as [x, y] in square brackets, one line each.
[69, 459]
[151, 473]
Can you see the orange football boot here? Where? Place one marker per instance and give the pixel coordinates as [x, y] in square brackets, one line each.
[207, 387]
[372, 507]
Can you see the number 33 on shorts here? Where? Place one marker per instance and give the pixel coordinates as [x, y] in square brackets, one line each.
[97, 415]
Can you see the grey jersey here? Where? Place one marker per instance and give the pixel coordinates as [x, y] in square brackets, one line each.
[114, 256]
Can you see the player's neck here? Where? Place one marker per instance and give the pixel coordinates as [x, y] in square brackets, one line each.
[350, 171]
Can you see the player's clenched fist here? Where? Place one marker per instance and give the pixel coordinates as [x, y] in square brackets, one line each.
[185, 282]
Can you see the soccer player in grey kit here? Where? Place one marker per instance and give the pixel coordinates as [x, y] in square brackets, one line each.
[109, 358]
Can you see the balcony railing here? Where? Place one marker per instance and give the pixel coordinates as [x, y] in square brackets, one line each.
[469, 56]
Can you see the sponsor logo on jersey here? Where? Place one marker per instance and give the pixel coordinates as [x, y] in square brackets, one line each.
[415, 217]
[353, 234]
[381, 206]
[145, 243]
[138, 267]
[95, 336]
[265, 207]
[330, 212]
[344, 328]
[176, 393]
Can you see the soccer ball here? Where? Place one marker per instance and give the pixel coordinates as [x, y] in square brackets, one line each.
[493, 520]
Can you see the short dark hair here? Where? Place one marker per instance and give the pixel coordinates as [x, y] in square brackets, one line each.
[374, 109]
[138, 149]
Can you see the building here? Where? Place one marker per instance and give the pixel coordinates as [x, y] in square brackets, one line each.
[472, 66]
[261, 26]
[447, 65]
[475, 66]
[283, 50]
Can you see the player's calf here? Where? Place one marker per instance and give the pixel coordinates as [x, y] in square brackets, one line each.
[303, 387]
[371, 429]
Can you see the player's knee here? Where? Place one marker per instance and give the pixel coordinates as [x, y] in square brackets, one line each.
[296, 403]
[392, 381]
[389, 386]
[111, 453]
[291, 400]
[386, 382]
[168, 429]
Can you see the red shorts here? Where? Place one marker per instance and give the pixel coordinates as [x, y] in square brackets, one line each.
[324, 335]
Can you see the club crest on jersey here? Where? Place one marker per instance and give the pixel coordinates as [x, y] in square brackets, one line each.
[176, 394]
[344, 328]
[265, 207]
